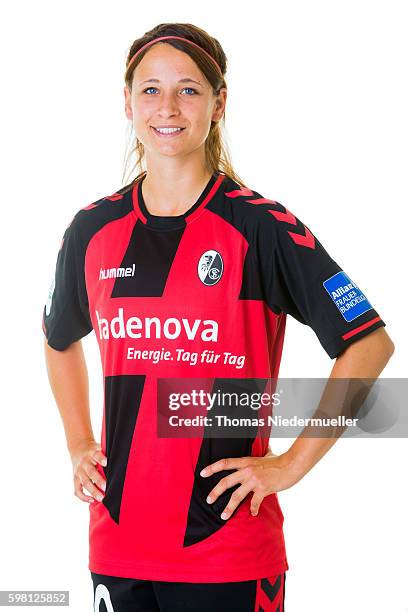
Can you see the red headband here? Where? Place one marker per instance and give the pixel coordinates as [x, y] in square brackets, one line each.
[180, 38]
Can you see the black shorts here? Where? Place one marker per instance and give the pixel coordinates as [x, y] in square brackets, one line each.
[112, 594]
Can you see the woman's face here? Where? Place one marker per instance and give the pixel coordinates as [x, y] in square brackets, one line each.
[169, 90]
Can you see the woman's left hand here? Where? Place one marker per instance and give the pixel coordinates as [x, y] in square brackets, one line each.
[262, 475]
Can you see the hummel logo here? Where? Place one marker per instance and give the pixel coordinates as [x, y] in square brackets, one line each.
[105, 273]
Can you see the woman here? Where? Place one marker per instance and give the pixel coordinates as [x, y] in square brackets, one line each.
[187, 272]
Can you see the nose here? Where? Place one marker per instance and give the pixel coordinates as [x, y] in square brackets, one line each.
[168, 105]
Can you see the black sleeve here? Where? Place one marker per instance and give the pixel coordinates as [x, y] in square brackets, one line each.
[301, 279]
[66, 315]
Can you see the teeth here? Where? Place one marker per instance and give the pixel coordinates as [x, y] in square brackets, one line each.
[167, 130]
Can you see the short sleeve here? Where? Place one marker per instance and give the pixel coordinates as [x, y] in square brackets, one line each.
[301, 279]
[66, 315]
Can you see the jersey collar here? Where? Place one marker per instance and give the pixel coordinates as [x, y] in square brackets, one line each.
[175, 221]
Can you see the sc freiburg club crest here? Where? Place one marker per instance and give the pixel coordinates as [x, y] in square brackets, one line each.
[210, 267]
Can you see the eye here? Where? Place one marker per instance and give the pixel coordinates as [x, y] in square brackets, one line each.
[190, 88]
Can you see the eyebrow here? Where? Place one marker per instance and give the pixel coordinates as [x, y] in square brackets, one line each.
[186, 80]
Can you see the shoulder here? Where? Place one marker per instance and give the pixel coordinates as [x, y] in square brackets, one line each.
[256, 211]
[91, 217]
[253, 204]
[265, 220]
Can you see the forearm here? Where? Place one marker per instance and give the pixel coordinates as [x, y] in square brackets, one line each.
[68, 378]
[364, 359]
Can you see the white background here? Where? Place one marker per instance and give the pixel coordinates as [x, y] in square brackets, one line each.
[316, 119]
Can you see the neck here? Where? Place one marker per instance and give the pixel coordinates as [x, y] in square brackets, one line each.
[174, 189]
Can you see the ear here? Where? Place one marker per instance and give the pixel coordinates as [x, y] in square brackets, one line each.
[220, 103]
[128, 105]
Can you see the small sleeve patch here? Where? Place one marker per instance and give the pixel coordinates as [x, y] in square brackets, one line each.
[349, 299]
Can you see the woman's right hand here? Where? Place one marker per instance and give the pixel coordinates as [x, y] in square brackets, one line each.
[84, 458]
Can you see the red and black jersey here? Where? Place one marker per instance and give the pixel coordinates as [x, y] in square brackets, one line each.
[223, 276]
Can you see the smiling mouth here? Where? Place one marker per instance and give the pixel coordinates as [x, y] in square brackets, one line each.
[167, 132]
